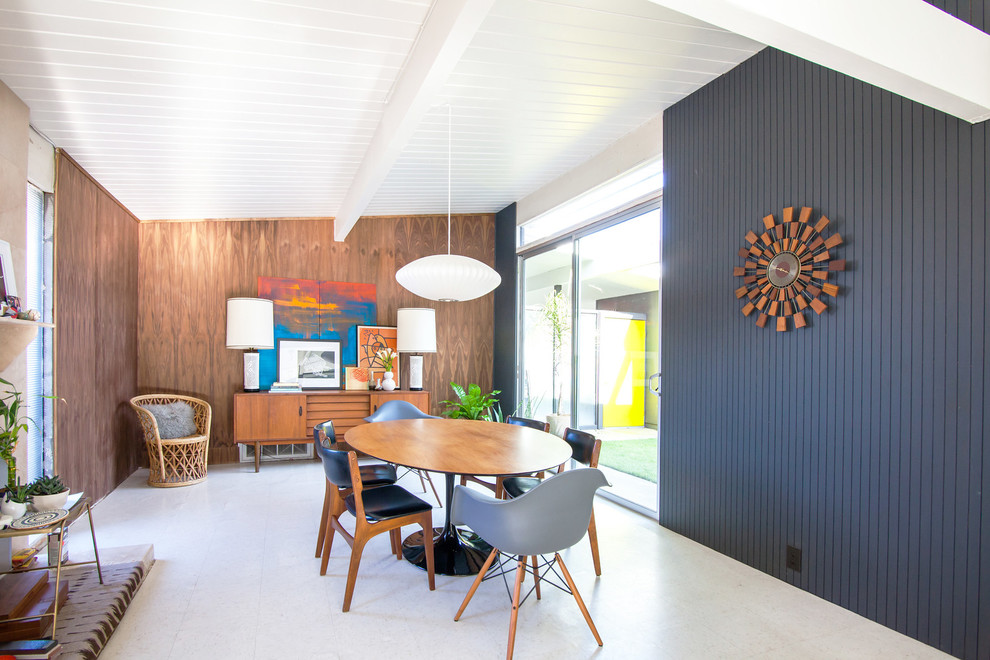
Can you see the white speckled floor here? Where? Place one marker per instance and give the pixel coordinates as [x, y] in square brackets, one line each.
[235, 577]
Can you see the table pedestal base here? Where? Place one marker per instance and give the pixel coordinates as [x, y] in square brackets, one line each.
[455, 552]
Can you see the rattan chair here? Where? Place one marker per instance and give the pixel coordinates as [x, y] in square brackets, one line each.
[175, 461]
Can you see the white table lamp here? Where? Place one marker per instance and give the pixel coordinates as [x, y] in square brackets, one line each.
[250, 326]
[416, 333]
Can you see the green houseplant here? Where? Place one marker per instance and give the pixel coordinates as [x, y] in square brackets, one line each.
[12, 424]
[471, 403]
[15, 500]
[555, 316]
[48, 493]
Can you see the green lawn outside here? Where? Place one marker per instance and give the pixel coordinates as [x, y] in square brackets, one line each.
[635, 457]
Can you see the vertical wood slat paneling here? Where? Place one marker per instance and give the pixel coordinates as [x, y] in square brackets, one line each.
[189, 269]
[861, 438]
[96, 298]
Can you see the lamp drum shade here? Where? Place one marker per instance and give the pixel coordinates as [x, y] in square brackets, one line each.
[250, 323]
[416, 330]
[448, 278]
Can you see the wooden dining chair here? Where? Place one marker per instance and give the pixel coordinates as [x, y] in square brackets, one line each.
[394, 409]
[549, 518]
[376, 511]
[496, 486]
[585, 449]
[376, 474]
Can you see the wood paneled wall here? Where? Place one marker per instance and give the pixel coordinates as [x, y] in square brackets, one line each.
[862, 439]
[96, 311]
[189, 269]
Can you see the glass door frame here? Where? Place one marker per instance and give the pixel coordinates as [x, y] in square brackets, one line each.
[573, 238]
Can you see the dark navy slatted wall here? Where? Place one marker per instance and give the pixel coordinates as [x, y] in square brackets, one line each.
[504, 354]
[861, 439]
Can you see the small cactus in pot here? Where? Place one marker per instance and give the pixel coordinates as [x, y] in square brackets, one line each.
[48, 493]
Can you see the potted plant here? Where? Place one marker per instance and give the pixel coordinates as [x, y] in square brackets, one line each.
[48, 493]
[12, 424]
[471, 403]
[555, 315]
[15, 500]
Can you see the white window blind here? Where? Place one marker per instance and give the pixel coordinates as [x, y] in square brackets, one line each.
[37, 296]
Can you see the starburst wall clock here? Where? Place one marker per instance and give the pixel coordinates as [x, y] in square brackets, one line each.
[787, 267]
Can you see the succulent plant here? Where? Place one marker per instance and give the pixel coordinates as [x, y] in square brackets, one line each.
[47, 486]
[20, 493]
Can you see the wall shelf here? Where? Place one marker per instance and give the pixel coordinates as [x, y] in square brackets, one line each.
[15, 335]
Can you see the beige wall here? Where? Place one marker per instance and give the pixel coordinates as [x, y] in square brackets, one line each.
[13, 198]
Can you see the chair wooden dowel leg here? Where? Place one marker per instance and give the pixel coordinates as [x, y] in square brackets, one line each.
[520, 571]
[536, 576]
[593, 538]
[356, 549]
[577, 597]
[477, 581]
[435, 493]
[327, 544]
[427, 525]
[321, 534]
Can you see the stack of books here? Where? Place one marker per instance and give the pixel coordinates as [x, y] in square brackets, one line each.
[31, 649]
[285, 387]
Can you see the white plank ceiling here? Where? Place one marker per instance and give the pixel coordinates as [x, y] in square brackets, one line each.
[187, 109]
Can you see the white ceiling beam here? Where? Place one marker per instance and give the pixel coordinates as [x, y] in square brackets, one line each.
[446, 34]
[906, 47]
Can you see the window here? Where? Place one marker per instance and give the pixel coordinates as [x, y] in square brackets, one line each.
[37, 295]
[632, 188]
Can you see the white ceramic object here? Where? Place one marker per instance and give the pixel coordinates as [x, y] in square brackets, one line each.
[49, 502]
[13, 509]
[388, 384]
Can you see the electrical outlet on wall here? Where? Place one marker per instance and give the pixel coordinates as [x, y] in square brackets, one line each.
[794, 558]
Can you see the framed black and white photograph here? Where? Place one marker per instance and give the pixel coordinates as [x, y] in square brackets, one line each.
[314, 364]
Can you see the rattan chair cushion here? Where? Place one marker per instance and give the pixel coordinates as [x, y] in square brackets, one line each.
[175, 420]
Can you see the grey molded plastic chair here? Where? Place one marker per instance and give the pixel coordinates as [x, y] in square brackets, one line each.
[399, 409]
[377, 474]
[376, 510]
[551, 517]
[585, 449]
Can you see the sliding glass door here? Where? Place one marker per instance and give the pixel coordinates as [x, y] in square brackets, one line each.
[619, 336]
[590, 340]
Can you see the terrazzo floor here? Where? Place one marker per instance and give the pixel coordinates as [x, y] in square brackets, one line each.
[235, 577]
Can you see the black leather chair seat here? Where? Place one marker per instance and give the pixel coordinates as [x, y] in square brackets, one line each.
[379, 474]
[516, 486]
[387, 502]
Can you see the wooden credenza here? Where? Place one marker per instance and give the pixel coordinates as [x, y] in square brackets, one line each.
[264, 418]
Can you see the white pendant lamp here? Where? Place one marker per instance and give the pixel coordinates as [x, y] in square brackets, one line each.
[448, 277]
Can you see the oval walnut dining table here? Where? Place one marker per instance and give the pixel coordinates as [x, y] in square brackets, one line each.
[457, 447]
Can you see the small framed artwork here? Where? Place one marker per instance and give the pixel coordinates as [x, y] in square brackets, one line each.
[314, 364]
[356, 378]
[371, 340]
[8, 286]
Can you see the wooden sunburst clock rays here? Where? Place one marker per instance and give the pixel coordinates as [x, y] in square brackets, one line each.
[786, 269]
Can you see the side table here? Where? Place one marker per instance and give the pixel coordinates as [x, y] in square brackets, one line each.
[58, 529]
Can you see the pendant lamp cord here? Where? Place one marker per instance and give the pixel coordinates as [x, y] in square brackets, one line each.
[449, 120]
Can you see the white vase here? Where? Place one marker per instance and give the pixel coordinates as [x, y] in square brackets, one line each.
[558, 424]
[13, 509]
[387, 383]
[49, 502]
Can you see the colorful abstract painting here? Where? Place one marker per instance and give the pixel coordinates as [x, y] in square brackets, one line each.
[370, 340]
[314, 309]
